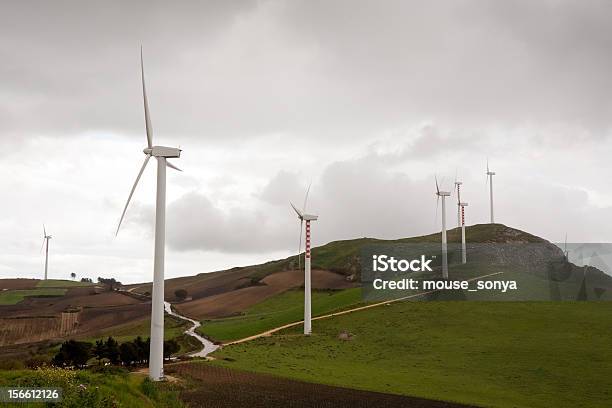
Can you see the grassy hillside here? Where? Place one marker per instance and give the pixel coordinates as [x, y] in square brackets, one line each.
[12, 297]
[343, 256]
[518, 354]
[281, 309]
[61, 283]
[112, 388]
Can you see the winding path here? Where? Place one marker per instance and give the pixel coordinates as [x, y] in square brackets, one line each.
[207, 345]
[327, 316]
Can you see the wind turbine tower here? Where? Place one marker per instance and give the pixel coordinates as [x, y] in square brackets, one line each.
[458, 189]
[161, 153]
[45, 245]
[307, 218]
[463, 248]
[490, 175]
[443, 194]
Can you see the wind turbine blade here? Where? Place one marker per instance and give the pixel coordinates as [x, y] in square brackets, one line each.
[43, 244]
[172, 166]
[306, 198]
[146, 105]
[487, 164]
[437, 186]
[132, 192]
[296, 210]
[44, 231]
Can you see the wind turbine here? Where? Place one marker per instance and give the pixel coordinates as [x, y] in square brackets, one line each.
[443, 194]
[462, 206]
[458, 189]
[161, 153]
[45, 245]
[490, 175]
[304, 217]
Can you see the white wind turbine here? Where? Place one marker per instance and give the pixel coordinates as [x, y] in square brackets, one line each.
[443, 194]
[303, 217]
[462, 205]
[490, 175]
[161, 153]
[45, 245]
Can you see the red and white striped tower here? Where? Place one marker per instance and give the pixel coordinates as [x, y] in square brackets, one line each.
[463, 248]
[307, 287]
[458, 187]
[307, 297]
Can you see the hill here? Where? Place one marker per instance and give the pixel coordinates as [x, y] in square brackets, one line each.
[236, 302]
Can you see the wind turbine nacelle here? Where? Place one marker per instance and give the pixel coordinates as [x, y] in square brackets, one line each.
[463, 204]
[163, 151]
[310, 217]
[490, 173]
[444, 193]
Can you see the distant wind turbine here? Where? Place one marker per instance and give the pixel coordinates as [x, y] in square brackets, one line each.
[303, 217]
[462, 205]
[443, 194]
[490, 175]
[458, 189]
[45, 245]
[161, 153]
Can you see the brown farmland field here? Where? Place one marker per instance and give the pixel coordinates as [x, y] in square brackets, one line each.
[218, 387]
[238, 300]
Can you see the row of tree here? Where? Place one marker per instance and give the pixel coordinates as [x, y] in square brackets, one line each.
[74, 353]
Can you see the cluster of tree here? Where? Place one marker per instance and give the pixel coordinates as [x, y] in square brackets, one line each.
[110, 283]
[74, 353]
[86, 280]
[180, 294]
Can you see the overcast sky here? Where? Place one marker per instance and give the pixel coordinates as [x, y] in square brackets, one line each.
[367, 100]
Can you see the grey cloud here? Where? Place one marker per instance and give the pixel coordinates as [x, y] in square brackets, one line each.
[284, 186]
[218, 71]
[195, 223]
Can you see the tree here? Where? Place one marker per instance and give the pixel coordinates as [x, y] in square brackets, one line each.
[73, 275]
[171, 347]
[142, 349]
[86, 280]
[99, 350]
[73, 353]
[180, 294]
[128, 353]
[110, 283]
[112, 350]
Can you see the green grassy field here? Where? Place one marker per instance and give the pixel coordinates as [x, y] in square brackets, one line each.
[61, 283]
[89, 389]
[279, 310]
[11, 297]
[515, 354]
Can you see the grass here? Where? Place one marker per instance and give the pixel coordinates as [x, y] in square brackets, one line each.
[279, 310]
[173, 328]
[115, 388]
[514, 354]
[11, 297]
[61, 283]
